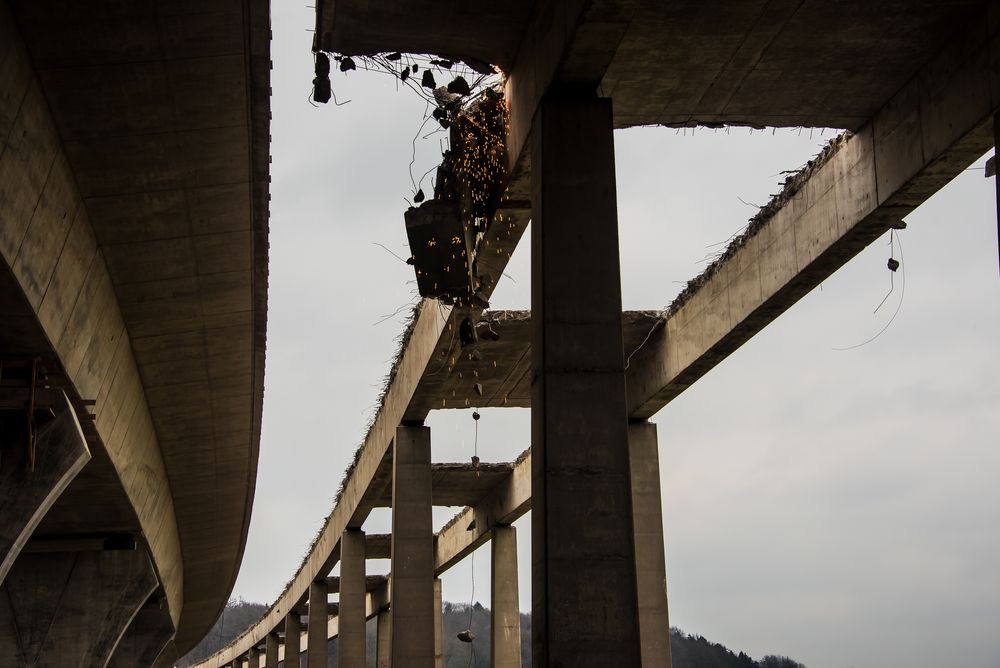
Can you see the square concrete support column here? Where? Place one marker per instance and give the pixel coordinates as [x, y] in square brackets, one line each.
[253, 658]
[583, 562]
[505, 624]
[293, 640]
[650, 562]
[383, 640]
[317, 650]
[271, 651]
[438, 626]
[412, 550]
[351, 640]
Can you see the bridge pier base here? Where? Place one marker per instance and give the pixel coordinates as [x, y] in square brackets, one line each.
[583, 562]
[412, 576]
[72, 608]
[351, 640]
[505, 624]
[438, 626]
[150, 631]
[650, 563]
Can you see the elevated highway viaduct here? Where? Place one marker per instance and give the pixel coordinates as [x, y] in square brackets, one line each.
[915, 87]
[133, 291]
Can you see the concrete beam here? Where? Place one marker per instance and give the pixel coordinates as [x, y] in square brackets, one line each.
[25, 494]
[931, 130]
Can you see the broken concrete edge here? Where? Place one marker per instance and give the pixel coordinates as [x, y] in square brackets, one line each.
[793, 183]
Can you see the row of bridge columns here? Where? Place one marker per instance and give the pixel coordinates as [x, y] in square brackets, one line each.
[598, 574]
[409, 632]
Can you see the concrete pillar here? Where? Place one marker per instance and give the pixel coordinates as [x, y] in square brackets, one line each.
[505, 624]
[271, 651]
[253, 658]
[150, 631]
[317, 650]
[351, 637]
[412, 550]
[25, 495]
[583, 563]
[383, 642]
[293, 640]
[650, 562]
[438, 626]
[71, 608]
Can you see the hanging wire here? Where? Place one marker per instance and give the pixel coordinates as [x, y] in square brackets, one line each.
[472, 599]
[902, 293]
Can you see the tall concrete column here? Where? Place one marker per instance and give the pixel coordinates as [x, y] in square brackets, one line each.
[583, 562]
[438, 626]
[505, 624]
[412, 550]
[317, 650]
[293, 640]
[650, 562]
[271, 651]
[351, 638]
[383, 639]
[253, 658]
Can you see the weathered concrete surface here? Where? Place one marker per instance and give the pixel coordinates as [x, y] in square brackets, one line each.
[133, 182]
[316, 651]
[293, 638]
[151, 629]
[26, 495]
[412, 550]
[583, 561]
[383, 642]
[271, 651]
[438, 625]
[352, 640]
[48, 244]
[505, 621]
[71, 609]
[927, 133]
[650, 559]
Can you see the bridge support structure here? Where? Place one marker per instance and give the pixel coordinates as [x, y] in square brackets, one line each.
[583, 561]
[412, 579]
[505, 623]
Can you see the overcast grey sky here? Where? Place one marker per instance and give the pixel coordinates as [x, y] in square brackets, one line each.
[840, 507]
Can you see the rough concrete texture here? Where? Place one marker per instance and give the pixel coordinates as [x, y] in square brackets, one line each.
[25, 494]
[412, 555]
[133, 178]
[70, 609]
[583, 564]
[505, 621]
[316, 651]
[352, 640]
[149, 632]
[650, 559]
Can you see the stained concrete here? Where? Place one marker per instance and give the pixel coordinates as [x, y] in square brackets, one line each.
[351, 639]
[71, 609]
[505, 620]
[583, 561]
[412, 556]
[151, 629]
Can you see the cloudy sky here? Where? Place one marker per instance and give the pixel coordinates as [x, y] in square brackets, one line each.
[837, 506]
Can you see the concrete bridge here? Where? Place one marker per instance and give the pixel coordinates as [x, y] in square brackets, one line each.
[917, 85]
[133, 293]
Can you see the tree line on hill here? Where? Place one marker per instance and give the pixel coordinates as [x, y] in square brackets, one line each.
[687, 651]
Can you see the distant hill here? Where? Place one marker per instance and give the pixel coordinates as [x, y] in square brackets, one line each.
[688, 651]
